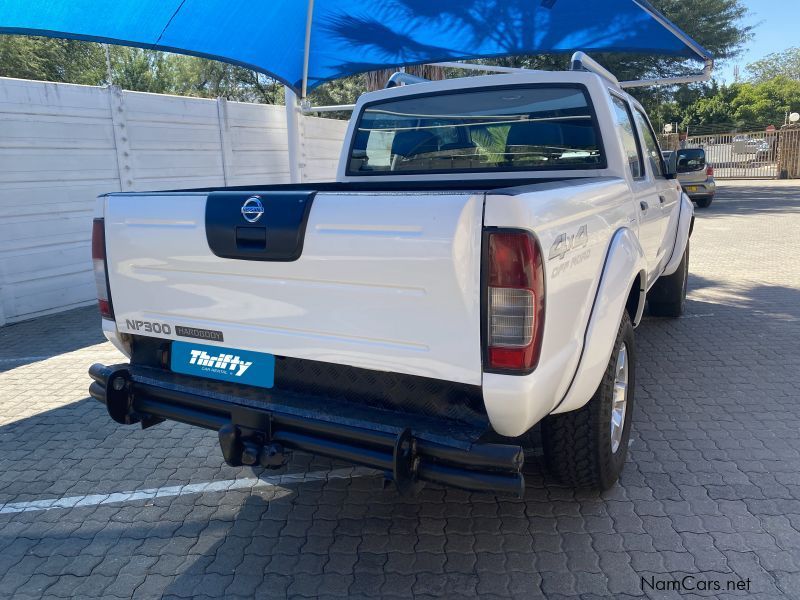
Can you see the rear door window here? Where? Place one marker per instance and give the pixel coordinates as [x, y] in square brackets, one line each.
[652, 150]
[630, 142]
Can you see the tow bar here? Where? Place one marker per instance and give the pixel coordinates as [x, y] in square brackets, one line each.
[263, 436]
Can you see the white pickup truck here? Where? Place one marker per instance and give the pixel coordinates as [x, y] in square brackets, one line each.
[476, 271]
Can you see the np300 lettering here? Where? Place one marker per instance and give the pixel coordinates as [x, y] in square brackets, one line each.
[148, 327]
[476, 271]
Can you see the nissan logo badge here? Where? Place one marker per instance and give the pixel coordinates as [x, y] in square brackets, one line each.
[252, 209]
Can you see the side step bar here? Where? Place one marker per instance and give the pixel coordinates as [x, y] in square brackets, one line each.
[258, 436]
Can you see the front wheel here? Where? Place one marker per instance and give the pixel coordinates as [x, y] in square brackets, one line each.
[587, 448]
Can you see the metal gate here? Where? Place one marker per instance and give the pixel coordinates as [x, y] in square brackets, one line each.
[751, 155]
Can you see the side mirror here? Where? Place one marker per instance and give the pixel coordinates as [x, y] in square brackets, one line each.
[671, 164]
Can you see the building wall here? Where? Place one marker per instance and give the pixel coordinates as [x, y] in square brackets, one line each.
[62, 145]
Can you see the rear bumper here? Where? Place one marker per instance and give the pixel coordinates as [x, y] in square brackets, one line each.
[253, 435]
[703, 189]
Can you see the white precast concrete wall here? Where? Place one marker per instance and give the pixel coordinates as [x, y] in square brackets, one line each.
[62, 145]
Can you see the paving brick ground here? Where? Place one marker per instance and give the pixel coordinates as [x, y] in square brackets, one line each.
[712, 487]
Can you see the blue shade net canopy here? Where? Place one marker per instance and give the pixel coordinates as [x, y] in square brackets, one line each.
[304, 43]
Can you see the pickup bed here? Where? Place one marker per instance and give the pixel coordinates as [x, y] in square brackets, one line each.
[476, 271]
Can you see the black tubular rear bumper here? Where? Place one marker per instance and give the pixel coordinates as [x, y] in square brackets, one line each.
[254, 435]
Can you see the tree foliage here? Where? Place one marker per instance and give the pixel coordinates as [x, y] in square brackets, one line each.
[778, 64]
[740, 106]
[51, 60]
[767, 102]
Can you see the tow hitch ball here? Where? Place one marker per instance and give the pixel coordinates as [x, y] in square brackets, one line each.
[238, 451]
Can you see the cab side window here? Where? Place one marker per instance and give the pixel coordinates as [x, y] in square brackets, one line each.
[652, 148]
[630, 142]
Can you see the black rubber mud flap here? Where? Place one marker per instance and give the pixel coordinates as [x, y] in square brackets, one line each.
[119, 399]
[406, 462]
[231, 444]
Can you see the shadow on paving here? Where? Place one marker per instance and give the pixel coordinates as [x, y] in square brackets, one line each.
[752, 200]
[39, 339]
[777, 304]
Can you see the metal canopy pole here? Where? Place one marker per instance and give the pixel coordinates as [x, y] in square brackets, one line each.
[310, 110]
[307, 50]
[293, 132]
[293, 135]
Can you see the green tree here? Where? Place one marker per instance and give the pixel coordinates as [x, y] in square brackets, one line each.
[212, 79]
[778, 64]
[142, 70]
[766, 102]
[740, 106]
[49, 59]
[708, 111]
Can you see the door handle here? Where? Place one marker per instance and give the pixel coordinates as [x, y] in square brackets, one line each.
[662, 199]
[644, 205]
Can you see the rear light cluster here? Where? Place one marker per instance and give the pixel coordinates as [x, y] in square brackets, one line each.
[709, 171]
[100, 270]
[515, 302]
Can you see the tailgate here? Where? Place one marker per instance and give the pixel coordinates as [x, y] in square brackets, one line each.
[383, 281]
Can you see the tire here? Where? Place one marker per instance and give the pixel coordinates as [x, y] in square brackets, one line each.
[579, 448]
[667, 297]
[704, 202]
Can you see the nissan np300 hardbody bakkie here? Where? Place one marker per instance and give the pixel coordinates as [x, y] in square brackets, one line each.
[478, 268]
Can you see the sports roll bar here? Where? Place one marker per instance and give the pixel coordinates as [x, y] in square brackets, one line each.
[698, 78]
[581, 61]
[403, 78]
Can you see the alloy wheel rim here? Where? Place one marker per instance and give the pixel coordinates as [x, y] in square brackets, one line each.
[620, 398]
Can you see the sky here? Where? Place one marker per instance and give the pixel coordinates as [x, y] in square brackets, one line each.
[777, 27]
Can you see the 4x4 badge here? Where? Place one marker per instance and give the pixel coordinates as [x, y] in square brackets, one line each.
[564, 243]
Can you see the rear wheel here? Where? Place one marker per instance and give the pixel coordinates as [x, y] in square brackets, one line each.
[667, 297]
[587, 448]
[704, 202]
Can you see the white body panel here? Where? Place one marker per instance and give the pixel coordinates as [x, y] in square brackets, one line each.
[625, 261]
[384, 282]
[602, 206]
[392, 281]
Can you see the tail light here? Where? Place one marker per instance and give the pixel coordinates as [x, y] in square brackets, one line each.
[100, 269]
[515, 305]
[709, 171]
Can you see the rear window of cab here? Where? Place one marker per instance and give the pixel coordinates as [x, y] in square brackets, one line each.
[521, 128]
